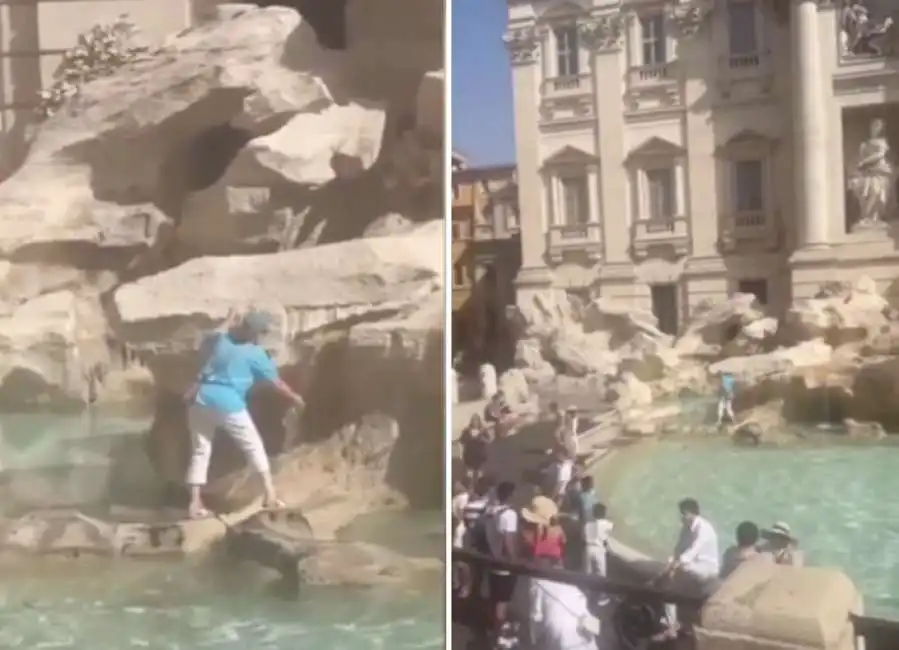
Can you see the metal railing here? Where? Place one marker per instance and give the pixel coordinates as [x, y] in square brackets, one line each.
[638, 607]
[877, 633]
[585, 581]
[473, 612]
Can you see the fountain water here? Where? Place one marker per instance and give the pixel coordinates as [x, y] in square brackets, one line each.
[91, 461]
[834, 496]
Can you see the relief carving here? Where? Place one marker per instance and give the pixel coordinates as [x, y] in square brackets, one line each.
[866, 32]
[523, 44]
[603, 33]
[688, 16]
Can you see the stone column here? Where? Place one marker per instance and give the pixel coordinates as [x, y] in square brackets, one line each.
[593, 192]
[549, 56]
[557, 207]
[523, 44]
[809, 127]
[680, 183]
[642, 186]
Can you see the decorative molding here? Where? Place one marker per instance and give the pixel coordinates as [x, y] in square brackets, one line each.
[565, 9]
[747, 140]
[688, 16]
[523, 44]
[569, 155]
[603, 32]
[566, 109]
[655, 148]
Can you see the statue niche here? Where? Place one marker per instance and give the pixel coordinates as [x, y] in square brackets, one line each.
[873, 181]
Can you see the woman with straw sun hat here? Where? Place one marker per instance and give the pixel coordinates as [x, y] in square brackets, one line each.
[559, 614]
[544, 536]
[782, 545]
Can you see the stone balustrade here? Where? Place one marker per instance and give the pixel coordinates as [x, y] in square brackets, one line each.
[764, 606]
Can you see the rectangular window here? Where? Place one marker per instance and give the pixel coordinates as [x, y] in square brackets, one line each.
[506, 216]
[749, 186]
[568, 62]
[652, 31]
[742, 28]
[665, 307]
[575, 199]
[660, 194]
[459, 275]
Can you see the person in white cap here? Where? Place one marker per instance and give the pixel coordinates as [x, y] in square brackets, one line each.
[782, 545]
[233, 361]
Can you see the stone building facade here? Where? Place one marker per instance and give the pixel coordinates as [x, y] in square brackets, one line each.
[672, 152]
[34, 34]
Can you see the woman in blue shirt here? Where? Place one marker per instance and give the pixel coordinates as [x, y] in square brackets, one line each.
[233, 362]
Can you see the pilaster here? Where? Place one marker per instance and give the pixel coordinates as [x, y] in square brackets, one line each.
[604, 36]
[523, 44]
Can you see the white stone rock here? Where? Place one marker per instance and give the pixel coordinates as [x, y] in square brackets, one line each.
[40, 359]
[83, 182]
[782, 361]
[845, 318]
[713, 327]
[305, 290]
[313, 148]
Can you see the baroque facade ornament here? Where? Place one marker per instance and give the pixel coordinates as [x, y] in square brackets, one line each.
[602, 33]
[523, 44]
[688, 16]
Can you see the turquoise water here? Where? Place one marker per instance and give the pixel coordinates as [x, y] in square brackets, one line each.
[48, 460]
[840, 502]
[102, 607]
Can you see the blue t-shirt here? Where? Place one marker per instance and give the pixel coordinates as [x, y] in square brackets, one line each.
[727, 385]
[230, 371]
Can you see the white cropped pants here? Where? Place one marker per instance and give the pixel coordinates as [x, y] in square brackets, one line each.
[204, 423]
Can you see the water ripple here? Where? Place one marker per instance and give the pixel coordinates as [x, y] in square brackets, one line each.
[838, 500]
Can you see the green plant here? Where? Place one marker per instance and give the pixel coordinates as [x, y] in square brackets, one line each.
[99, 52]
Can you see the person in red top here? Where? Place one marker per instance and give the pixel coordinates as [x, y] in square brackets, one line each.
[544, 537]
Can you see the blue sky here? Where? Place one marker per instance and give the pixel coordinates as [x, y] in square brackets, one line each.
[483, 128]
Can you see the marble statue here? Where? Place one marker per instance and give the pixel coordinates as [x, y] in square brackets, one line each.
[873, 181]
[487, 375]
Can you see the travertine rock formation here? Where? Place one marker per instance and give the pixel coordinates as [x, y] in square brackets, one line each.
[242, 163]
[831, 358]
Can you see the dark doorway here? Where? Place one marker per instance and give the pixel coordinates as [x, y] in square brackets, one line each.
[757, 287]
[665, 307]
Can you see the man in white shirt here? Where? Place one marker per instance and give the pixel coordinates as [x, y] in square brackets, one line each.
[695, 565]
[502, 537]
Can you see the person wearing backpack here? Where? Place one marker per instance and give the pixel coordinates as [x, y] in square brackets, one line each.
[472, 515]
[501, 527]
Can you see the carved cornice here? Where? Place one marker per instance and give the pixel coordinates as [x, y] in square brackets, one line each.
[602, 33]
[688, 16]
[523, 44]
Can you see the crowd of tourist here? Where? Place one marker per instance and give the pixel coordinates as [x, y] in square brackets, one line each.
[564, 525]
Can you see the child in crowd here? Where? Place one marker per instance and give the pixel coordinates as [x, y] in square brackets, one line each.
[596, 539]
